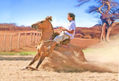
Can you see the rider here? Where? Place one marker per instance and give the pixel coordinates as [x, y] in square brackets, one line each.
[66, 33]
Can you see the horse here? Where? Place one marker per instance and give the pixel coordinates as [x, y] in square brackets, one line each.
[47, 35]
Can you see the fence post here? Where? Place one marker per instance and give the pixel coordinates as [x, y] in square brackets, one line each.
[11, 36]
[4, 44]
[25, 40]
[33, 38]
[38, 37]
[19, 35]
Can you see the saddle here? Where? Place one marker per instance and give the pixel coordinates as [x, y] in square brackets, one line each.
[48, 43]
[64, 42]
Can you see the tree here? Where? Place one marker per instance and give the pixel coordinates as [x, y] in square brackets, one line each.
[109, 10]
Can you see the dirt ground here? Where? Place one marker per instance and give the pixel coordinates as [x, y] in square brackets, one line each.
[11, 67]
[10, 70]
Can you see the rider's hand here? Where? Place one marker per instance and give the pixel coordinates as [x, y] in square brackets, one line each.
[64, 29]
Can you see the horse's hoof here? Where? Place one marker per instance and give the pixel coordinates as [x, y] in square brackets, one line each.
[24, 68]
[32, 69]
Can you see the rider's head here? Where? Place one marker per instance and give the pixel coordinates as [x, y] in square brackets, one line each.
[71, 16]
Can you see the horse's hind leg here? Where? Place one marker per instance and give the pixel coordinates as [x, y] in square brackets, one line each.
[80, 52]
[81, 55]
[52, 47]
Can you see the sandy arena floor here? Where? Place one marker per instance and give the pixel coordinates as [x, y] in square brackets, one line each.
[10, 70]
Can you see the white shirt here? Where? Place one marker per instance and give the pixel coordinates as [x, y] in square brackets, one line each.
[71, 27]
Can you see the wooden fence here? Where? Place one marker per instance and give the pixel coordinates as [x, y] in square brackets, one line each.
[12, 41]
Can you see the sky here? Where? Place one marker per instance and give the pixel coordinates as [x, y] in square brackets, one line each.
[27, 12]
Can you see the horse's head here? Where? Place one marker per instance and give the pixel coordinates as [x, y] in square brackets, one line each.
[42, 24]
[46, 28]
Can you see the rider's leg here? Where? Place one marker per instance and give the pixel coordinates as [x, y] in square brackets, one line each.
[57, 40]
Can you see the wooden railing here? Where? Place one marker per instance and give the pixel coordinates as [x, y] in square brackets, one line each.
[12, 41]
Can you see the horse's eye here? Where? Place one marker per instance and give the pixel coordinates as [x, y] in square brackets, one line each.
[41, 22]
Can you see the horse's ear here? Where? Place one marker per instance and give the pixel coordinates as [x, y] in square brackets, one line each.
[49, 18]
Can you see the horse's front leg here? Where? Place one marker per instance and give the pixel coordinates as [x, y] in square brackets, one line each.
[44, 53]
[42, 57]
[37, 56]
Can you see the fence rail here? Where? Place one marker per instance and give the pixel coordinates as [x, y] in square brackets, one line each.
[12, 41]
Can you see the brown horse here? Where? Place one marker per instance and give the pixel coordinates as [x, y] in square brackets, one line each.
[46, 41]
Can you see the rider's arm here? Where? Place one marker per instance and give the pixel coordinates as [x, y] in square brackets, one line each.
[72, 28]
[70, 31]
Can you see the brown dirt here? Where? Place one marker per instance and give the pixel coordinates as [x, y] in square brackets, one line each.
[96, 69]
[84, 43]
[10, 70]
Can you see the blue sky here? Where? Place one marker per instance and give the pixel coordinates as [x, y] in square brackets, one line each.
[27, 12]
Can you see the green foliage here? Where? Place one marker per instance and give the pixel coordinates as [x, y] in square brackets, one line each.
[18, 53]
